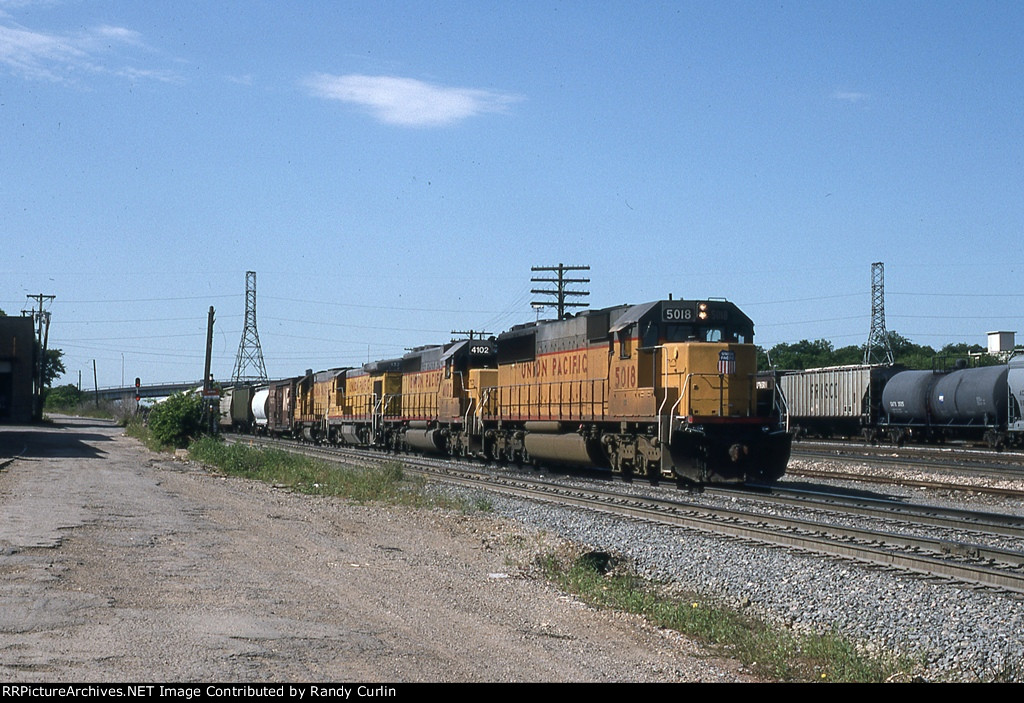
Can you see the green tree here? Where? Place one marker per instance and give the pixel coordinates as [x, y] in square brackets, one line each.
[909, 354]
[762, 358]
[64, 397]
[53, 366]
[802, 355]
[810, 355]
[849, 355]
[177, 420]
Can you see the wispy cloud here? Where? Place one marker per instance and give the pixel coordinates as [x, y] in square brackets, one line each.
[407, 101]
[61, 57]
[246, 79]
[851, 96]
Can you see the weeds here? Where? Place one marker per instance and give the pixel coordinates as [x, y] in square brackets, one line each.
[384, 484]
[766, 650]
[138, 429]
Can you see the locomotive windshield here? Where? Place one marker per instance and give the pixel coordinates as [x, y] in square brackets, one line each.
[709, 333]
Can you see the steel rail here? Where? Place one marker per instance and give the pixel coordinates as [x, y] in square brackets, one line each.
[900, 481]
[939, 516]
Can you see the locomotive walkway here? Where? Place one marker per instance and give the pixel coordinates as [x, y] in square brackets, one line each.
[119, 565]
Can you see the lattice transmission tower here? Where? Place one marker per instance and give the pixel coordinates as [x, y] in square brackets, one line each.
[250, 354]
[878, 350]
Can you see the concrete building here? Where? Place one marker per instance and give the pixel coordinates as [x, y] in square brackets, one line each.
[17, 356]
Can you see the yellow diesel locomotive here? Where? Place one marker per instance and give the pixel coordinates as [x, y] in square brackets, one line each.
[663, 389]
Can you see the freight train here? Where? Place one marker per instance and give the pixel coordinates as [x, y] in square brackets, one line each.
[666, 389]
[981, 404]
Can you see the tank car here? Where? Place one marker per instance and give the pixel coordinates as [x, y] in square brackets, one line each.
[968, 403]
[259, 406]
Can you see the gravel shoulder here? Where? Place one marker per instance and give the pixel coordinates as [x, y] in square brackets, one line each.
[118, 565]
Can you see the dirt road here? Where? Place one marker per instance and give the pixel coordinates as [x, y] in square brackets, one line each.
[120, 565]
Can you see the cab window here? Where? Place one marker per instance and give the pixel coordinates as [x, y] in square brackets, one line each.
[649, 338]
[625, 342]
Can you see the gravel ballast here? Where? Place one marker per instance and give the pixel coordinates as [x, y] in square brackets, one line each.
[957, 632]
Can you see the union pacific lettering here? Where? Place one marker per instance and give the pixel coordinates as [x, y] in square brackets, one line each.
[359, 384]
[422, 381]
[571, 363]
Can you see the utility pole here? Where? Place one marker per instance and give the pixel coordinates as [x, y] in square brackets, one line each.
[561, 292]
[878, 349]
[209, 414]
[42, 320]
[249, 351]
[209, 351]
[471, 334]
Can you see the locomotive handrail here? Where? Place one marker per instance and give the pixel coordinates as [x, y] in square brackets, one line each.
[465, 416]
[522, 408]
[783, 404]
[423, 403]
[672, 413]
[377, 412]
[484, 402]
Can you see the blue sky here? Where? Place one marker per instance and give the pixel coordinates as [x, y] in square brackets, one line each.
[392, 170]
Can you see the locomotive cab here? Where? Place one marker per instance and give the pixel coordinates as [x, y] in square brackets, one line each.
[695, 358]
[694, 370]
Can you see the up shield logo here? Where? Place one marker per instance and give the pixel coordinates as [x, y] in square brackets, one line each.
[726, 362]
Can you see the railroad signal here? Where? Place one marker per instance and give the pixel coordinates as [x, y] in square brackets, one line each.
[138, 394]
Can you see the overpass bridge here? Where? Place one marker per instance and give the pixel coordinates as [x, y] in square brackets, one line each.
[155, 390]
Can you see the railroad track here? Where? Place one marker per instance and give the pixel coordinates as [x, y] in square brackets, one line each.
[895, 480]
[956, 520]
[963, 459]
[903, 467]
[962, 561]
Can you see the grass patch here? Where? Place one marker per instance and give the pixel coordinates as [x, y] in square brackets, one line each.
[768, 651]
[138, 429]
[387, 483]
